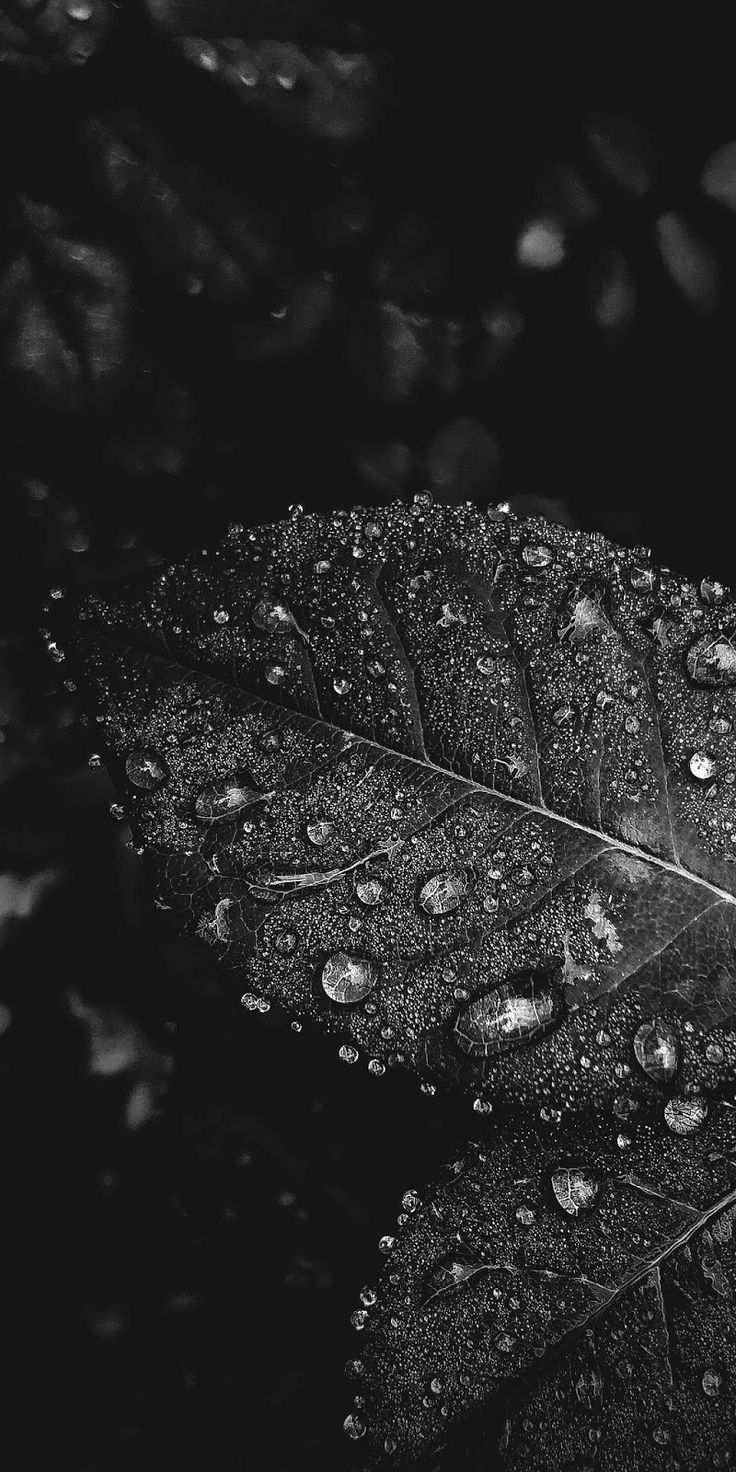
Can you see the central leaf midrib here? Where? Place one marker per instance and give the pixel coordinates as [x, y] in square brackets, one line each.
[538, 810]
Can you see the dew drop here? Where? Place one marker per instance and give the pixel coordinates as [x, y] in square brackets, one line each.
[370, 891]
[353, 1428]
[661, 1435]
[642, 578]
[221, 616]
[486, 664]
[348, 979]
[702, 765]
[685, 1116]
[575, 1188]
[505, 1343]
[714, 1053]
[410, 1200]
[508, 1016]
[223, 799]
[482, 1106]
[320, 831]
[711, 661]
[386, 1244]
[451, 1271]
[145, 768]
[275, 674]
[525, 1216]
[341, 685]
[712, 592]
[359, 1318]
[537, 554]
[272, 617]
[442, 893]
[564, 715]
[376, 1067]
[354, 1369]
[375, 669]
[657, 1050]
[712, 1381]
[286, 942]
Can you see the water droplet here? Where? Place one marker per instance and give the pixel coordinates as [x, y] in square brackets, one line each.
[389, 1446]
[537, 554]
[442, 893]
[657, 1050]
[386, 1244]
[353, 1428]
[712, 1381]
[144, 768]
[347, 978]
[320, 831]
[714, 1053]
[348, 1054]
[286, 942]
[624, 1105]
[575, 1188]
[436, 1385]
[603, 1038]
[525, 1216]
[223, 799]
[275, 674]
[632, 724]
[451, 1271]
[661, 1435]
[712, 592]
[686, 1115]
[376, 1067]
[370, 891]
[322, 566]
[359, 1319]
[508, 1016]
[702, 766]
[354, 1369]
[341, 685]
[642, 578]
[564, 715]
[116, 812]
[221, 616]
[505, 1343]
[482, 1106]
[711, 661]
[272, 617]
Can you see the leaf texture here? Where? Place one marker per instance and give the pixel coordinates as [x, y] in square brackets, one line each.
[460, 789]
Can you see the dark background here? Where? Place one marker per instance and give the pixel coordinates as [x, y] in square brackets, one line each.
[198, 1190]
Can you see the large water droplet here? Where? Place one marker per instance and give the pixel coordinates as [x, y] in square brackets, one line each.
[353, 1428]
[508, 1016]
[224, 799]
[712, 592]
[320, 831]
[575, 1188]
[537, 554]
[711, 661]
[370, 890]
[348, 978]
[145, 768]
[442, 893]
[451, 1271]
[685, 1116]
[272, 617]
[702, 766]
[656, 1048]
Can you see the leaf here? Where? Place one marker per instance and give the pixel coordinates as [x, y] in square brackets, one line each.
[691, 263]
[622, 149]
[441, 693]
[65, 311]
[719, 175]
[601, 1333]
[37, 36]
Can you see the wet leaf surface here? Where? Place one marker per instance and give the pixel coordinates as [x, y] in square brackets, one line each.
[488, 838]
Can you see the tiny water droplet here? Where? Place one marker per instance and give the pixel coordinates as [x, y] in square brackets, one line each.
[376, 1067]
[386, 1244]
[347, 1054]
[714, 1053]
[359, 1319]
[712, 1381]
[686, 1115]
[482, 1106]
[375, 669]
[286, 942]
[642, 578]
[525, 1216]
[348, 979]
[661, 1435]
[657, 1050]
[354, 1369]
[341, 685]
[275, 674]
[575, 1188]
[442, 893]
[221, 616]
[370, 891]
[223, 799]
[144, 768]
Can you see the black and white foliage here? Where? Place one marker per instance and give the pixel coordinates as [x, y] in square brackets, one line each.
[461, 790]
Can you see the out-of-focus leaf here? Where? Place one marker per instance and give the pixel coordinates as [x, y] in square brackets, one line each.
[719, 175]
[691, 263]
[37, 35]
[427, 777]
[119, 1048]
[613, 294]
[19, 896]
[462, 461]
[622, 149]
[587, 1274]
[406, 356]
[65, 312]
